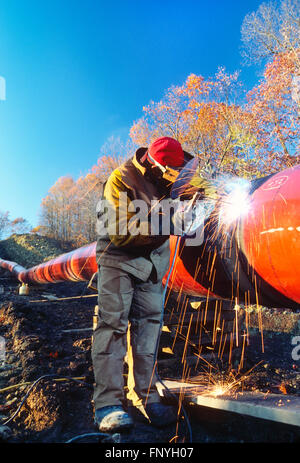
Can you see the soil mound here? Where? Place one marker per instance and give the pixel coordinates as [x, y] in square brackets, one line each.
[30, 249]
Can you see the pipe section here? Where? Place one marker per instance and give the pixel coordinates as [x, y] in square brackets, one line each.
[254, 260]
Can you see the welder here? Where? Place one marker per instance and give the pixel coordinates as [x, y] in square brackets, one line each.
[131, 267]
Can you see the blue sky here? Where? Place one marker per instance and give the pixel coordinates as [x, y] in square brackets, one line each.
[78, 72]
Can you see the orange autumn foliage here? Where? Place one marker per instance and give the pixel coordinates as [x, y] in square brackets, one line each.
[68, 211]
[203, 116]
[274, 105]
[249, 139]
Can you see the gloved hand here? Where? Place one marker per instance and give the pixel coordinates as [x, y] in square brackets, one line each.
[190, 215]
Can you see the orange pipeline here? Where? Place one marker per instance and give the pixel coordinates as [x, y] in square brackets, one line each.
[258, 263]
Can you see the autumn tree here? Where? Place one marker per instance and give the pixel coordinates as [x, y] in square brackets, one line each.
[8, 226]
[272, 33]
[37, 230]
[56, 214]
[88, 191]
[272, 30]
[247, 138]
[205, 117]
[68, 211]
[275, 113]
[19, 225]
[112, 153]
[4, 222]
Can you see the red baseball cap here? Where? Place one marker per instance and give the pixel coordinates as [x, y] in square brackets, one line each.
[167, 151]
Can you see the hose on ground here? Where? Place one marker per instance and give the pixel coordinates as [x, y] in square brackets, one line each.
[187, 422]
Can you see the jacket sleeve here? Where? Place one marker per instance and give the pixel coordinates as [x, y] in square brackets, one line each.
[200, 183]
[126, 226]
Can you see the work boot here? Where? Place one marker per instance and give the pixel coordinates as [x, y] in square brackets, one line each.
[112, 419]
[137, 413]
[161, 415]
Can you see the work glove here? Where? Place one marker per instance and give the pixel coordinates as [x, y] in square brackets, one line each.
[190, 215]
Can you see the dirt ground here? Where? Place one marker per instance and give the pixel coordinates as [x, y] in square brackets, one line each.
[38, 342]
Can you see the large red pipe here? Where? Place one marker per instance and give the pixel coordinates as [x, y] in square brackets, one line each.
[257, 262]
[270, 235]
[257, 259]
[78, 265]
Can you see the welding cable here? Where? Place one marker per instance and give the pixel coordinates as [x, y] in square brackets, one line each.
[91, 434]
[14, 386]
[27, 383]
[187, 422]
[52, 377]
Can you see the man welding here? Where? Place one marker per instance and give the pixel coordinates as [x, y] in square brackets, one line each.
[130, 290]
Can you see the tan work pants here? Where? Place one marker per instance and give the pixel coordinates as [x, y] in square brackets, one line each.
[124, 298]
